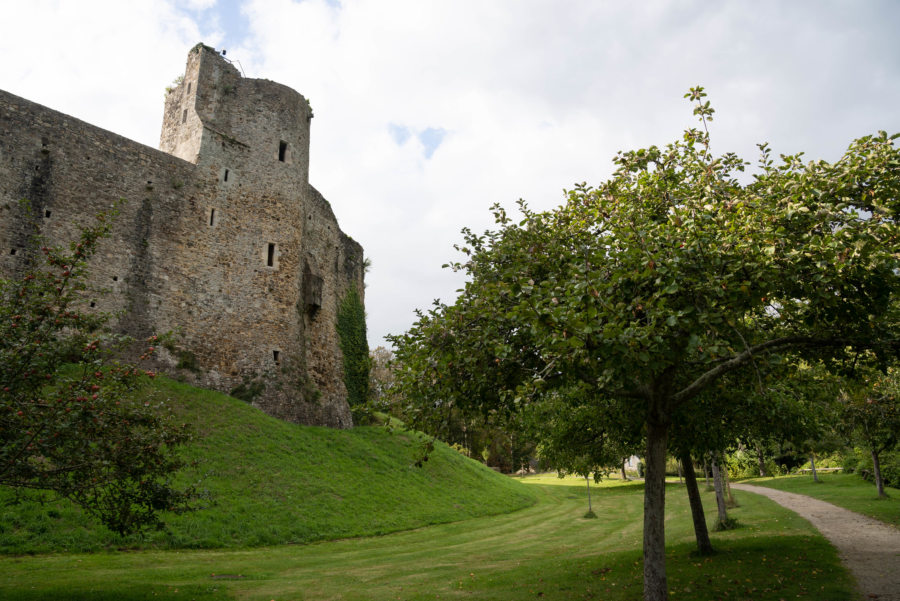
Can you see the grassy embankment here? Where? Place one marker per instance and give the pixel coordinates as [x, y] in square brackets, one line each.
[271, 482]
[547, 551]
[849, 491]
[276, 483]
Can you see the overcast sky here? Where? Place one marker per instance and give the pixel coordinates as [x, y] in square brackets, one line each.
[429, 111]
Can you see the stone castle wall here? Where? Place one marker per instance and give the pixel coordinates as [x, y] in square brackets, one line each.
[221, 239]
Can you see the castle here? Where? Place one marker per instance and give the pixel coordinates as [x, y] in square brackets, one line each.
[221, 239]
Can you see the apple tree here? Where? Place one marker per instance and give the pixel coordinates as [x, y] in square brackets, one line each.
[654, 285]
[72, 420]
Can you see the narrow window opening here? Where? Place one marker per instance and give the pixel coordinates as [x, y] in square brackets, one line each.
[184, 116]
[93, 304]
[47, 214]
[115, 278]
[12, 251]
[45, 142]
[282, 150]
[226, 175]
[277, 356]
[270, 261]
[212, 216]
[189, 88]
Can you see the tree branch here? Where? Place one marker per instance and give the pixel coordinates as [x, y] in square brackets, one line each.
[738, 360]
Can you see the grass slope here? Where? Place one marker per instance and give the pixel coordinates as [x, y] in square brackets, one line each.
[547, 551]
[849, 491]
[272, 482]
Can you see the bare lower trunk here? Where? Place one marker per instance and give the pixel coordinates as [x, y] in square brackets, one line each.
[729, 498]
[587, 481]
[624, 475]
[680, 473]
[812, 465]
[655, 586]
[720, 492]
[876, 467]
[761, 462]
[704, 546]
[706, 473]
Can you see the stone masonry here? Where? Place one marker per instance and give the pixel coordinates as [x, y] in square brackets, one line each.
[221, 239]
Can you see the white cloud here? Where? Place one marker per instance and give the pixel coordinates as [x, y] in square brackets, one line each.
[533, 95]
[200, 5]
[534, 98]
[105, 62]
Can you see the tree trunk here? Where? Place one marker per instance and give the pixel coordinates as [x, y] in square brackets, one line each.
[728, 496]
[720, 493]
[876, 467]
[706, 472]
[655, 586]
[680, 472]
[587, 480]
[812, 465]
[624, 475]
[704, 546]
[761, 462]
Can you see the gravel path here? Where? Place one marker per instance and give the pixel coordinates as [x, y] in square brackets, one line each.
[869, 548]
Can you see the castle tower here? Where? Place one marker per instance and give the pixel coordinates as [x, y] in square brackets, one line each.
[222, 240]
[214, 115]
[275, 254]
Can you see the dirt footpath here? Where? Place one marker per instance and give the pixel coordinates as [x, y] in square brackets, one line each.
[869, 548]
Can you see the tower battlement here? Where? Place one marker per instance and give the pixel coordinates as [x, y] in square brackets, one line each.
[215, 115]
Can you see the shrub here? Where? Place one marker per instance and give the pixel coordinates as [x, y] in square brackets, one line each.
[860, 461]
[68, 419]
[741, 464]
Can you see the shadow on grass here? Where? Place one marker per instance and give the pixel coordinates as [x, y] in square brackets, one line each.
[118, 591]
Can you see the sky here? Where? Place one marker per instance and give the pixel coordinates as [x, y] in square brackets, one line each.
[427, 112]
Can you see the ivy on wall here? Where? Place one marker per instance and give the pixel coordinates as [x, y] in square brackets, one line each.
[351, 327]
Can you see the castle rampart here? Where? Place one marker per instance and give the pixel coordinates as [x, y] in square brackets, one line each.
[221, 239]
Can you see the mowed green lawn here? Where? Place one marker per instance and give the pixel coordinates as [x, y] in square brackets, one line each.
[546, 551]
[270, 482]
[849, 491]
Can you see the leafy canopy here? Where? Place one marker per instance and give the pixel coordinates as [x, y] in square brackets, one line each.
[644, 292]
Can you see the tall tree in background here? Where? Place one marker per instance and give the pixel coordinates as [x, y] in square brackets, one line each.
[650, 288]
[871, 410]
[70, 420]
[381, 376]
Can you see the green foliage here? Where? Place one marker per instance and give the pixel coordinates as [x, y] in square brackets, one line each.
[741, 465]
[381, 376]
[249, 389]
[270, 482]
[871, 414]
[68, 420]
[859, 461]
[351, 328]
[187, 360]
[648, 292]
[175, 83]
[728, 523]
